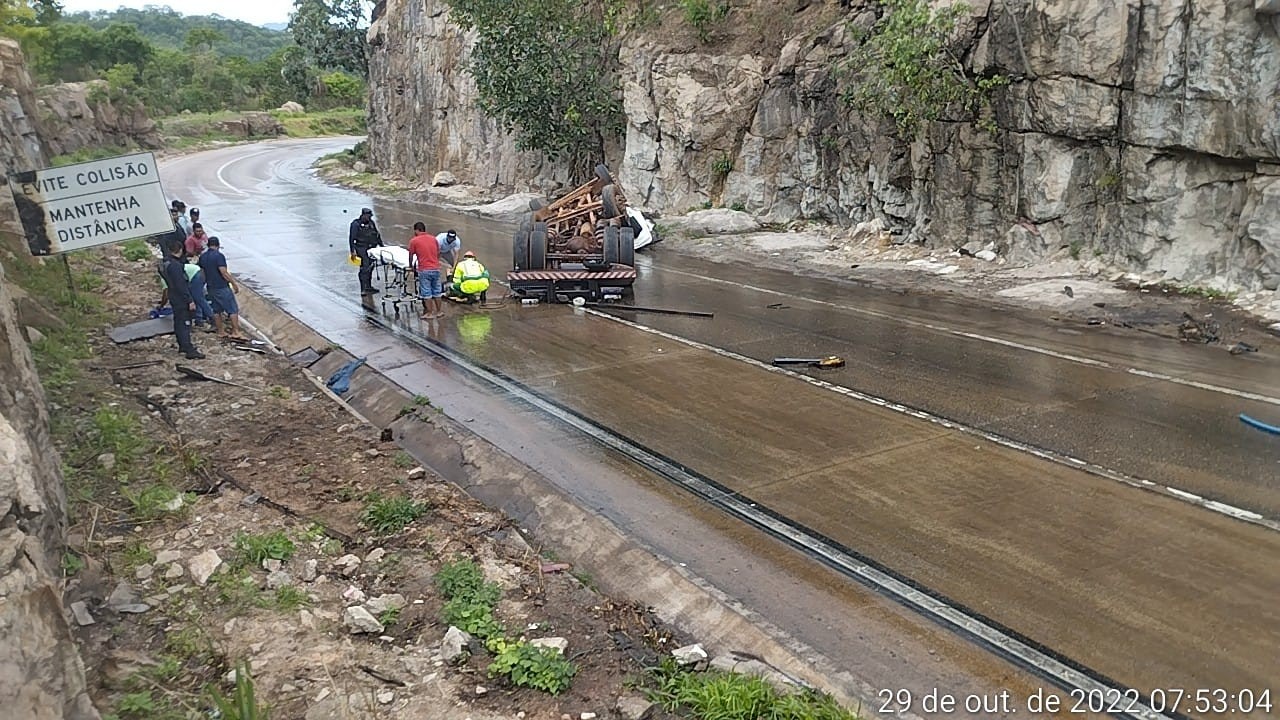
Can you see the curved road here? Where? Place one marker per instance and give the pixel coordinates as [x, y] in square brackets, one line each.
[1091, 494]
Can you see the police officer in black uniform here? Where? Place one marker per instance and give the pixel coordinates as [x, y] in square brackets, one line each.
[363, 236]
[174, 272]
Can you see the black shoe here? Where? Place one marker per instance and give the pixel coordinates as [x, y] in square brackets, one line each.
[193, 355]
[369, 291]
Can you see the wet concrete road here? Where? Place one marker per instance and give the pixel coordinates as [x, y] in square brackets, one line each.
[1147, 589]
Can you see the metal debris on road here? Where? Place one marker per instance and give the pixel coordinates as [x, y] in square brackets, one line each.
[141, 330]
[662, 311]
[1242, 347]
[826, 362]
[194, 373]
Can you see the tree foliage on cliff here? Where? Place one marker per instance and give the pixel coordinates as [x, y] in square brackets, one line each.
[543, 70]
[905, 67]
[331, 33]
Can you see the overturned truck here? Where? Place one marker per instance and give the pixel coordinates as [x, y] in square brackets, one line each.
[582, 244]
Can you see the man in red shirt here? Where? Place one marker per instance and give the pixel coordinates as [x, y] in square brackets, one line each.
[196, 241]
[424, 255]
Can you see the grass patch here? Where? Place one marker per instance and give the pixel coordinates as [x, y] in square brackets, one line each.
[389, 617]
[243, 703]
[137, 553]
[404, 460]
[235, 588]
[155, 501]
[135, 250]
[341, 121]
[1206, 293]
[288, 599]
[253, 549]
[727, 696]
[89, 154]
[390, 515]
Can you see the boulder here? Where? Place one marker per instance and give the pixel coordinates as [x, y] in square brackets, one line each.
[358, 620]
[292, 107]
[713, 222]
[444, 178]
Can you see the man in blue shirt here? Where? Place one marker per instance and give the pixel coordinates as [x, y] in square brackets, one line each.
[174, 272]
[222, 290]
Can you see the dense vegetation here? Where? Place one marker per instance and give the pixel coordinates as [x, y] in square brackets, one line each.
[166, 28]
[172, 63]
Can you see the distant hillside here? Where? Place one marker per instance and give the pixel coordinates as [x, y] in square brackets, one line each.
[280, 26]
[165, 27]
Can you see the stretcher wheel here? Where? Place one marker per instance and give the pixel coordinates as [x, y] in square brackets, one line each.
[538, 247]
[611, 244]
[520, 250]
[627, 246]
[609, 202]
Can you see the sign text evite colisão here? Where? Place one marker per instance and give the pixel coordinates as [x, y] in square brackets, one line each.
[93, 203]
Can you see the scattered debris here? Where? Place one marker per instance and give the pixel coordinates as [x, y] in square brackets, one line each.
[360, 621]
[690, 654]
[202, 566]
[1068, 291]
[194, 373]
[124, 600]
[778, 306]
[1241, 348]
[454, 645]
[555, 567]
[661, 311]
[826, 362]
[1264, 427]
[141, 330]
[81, 613]
[1199, 331]
[375, 672]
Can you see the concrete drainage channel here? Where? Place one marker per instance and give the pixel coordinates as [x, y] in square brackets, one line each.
[619, 565]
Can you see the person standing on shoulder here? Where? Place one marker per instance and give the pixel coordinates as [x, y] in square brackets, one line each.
[173, 271]
[424, 257]
[362, 237]
[195, 242]
[222, 290]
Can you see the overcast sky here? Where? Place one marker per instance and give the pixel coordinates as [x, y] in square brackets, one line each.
[258, 12]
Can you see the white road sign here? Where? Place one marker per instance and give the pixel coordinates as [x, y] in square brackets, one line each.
[93, 203]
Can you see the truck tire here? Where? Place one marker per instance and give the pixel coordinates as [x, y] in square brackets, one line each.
[537, 204]
[602, 172]
[611, 244]
[627, 246]
[520, 250]
[538, 247]
[609, 202]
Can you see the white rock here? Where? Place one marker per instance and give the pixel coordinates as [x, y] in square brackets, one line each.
[270, 565]
[481, 690]
[454, 644]
[385, 697]
[347, 561]
[144, 572]
[635, 707]
[689, 654]
[309, 569]
[353, 594]
[372, 452]
[558, 644]
[417, 473]
[444, 178]
[375, 555]
[587, 716]
[174, 572]
[383, 603]
[175, 504]
[307, 620]
[81, 613]
[33, 335]
[985, 255]
[202, 566]
[360, 621]
[292, 107]
[714, 222]
[107, 461]
[360, 167]
[279, 579]
[164, 557]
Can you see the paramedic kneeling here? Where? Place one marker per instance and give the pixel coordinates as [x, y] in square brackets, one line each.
[470, 279]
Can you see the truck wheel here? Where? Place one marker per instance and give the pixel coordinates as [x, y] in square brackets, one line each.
[611, 244]
[609, 202]
[537, 204]
[602, 172]
[538, 247]
[520, 250]
[526, 225]
[627, 246]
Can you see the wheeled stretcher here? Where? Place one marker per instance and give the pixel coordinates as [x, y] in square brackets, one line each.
[399, 280]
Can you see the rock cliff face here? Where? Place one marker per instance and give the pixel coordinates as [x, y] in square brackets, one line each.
[1143, 132]
[41, 676]
[79, 115]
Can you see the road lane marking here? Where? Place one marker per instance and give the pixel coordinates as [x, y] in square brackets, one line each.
[1079, 359]
[1215, 506]
[1004, 642]
[229, 163]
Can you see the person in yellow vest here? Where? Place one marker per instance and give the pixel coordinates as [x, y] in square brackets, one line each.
[470, 279]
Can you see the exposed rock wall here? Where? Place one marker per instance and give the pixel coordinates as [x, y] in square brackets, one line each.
[1143, 132]
[80, 115]
[41, 676]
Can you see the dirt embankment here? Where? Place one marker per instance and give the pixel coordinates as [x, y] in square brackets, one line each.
[249, 522]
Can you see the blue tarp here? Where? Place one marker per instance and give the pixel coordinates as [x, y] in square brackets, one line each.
[340, 381]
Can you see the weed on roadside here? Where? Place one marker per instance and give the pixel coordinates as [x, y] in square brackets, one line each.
[235, 588]
[389, 617]
[287, 599]
[730, 696]
[404, 460]
[390, 515]
[254, 549]
[155, 501]
[243, 704]
[137, 553]
[71, 563]
[135, 250]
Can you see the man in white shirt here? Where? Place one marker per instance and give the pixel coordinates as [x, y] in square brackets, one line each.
[449, 246]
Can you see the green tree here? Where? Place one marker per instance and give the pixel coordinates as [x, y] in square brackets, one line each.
[905, 67]
[554, 87]
[332, 34]
[201, 39]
